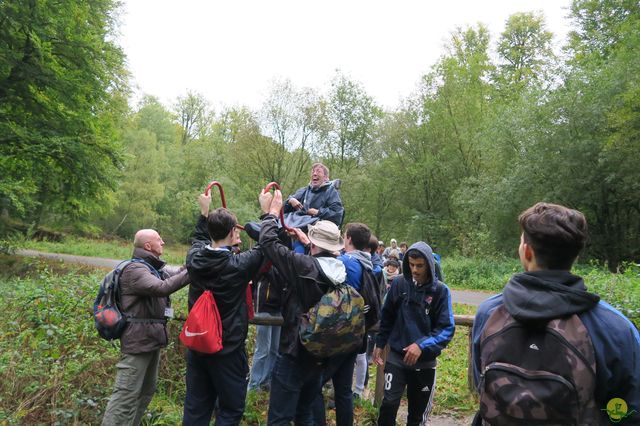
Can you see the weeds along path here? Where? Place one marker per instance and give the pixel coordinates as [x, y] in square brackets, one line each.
[459, 296]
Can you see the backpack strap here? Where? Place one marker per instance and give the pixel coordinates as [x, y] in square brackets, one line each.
[146, 320]
[155, 272]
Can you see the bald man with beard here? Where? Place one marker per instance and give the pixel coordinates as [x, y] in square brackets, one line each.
[145, 286]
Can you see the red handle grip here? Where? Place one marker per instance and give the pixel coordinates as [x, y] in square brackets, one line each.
[219, 185]
[268, 188]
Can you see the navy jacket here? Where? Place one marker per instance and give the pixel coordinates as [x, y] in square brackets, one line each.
[417, 314]
[543, 295]
[325, 198]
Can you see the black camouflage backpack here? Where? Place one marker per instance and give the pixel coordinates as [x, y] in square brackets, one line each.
[537, 373]
[107, 313]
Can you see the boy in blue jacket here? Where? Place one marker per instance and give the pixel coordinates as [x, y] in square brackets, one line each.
[551, 239]
[417, 323]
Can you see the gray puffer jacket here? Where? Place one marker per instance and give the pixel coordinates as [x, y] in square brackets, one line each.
[145, 296]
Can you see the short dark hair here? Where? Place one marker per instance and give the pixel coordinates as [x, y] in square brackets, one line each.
[556, 233]
[220, 222]
[359, 234]
[416, 254]
[403, 244]
[373, 244]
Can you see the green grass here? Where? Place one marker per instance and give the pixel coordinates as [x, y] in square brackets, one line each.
[54, 369]
[110, 249]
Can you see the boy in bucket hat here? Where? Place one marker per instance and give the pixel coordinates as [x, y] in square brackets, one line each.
[297, 375]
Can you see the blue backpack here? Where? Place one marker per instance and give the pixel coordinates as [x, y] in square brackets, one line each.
[107, 313]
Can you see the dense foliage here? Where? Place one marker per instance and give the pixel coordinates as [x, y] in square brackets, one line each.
[494, 126]
[62, 95]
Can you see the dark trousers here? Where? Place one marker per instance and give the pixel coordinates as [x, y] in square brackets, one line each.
[340, 371]
[420, 385]
[211, 377]
[295, 383]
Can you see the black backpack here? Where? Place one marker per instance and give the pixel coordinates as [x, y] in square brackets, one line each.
[537, 373]
[371, 292]
[107, 312]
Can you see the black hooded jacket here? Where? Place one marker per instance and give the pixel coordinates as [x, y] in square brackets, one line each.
[544, 295]
[227, 276]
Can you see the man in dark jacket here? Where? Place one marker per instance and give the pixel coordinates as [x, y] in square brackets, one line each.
[319, 200]
[357, 262]
[551, 239]
[297, 376]
[145, 289]
[417, 323]
[213, 266]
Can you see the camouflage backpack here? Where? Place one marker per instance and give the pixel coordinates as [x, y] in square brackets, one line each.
[537, 373]
[334, 325]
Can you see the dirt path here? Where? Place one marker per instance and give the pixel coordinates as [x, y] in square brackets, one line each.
[459, 296]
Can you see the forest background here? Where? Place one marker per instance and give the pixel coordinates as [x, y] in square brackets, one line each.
[494, 126]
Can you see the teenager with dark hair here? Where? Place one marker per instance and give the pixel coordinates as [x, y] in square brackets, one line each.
[213, 266]
[417, 323]
[357, 261]
[549, 325]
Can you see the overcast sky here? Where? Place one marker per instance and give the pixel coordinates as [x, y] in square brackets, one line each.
[230, 50]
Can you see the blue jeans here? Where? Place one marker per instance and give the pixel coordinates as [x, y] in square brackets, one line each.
[295, 385]
[264, 357]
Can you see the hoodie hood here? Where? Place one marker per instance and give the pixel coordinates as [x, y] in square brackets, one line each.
[425, 251]
[333, 269]
[322, 186]
[544, 295]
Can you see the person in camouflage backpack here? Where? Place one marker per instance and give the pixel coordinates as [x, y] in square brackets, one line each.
[547, 351]
[296, 378]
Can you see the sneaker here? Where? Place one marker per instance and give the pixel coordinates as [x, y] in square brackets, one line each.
[356, 396]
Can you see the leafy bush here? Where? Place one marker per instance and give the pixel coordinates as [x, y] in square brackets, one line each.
[478, 273]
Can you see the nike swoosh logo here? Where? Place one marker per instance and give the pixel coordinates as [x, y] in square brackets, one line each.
[190, 334]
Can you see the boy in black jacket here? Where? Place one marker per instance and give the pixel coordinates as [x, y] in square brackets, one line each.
[417, 323]
[213, 266]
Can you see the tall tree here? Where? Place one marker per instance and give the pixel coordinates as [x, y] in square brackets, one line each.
[62, 93]
[194, 116]
[525, 49]
[350, 120]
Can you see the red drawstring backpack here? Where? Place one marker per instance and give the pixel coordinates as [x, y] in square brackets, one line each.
[202, 331]
[249, 299]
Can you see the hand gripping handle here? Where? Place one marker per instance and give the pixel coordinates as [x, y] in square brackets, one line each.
[219, 185]
[268, 188]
